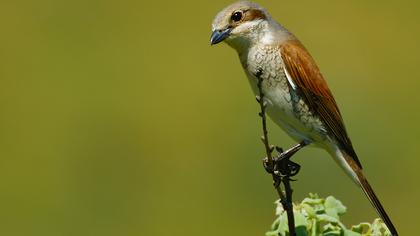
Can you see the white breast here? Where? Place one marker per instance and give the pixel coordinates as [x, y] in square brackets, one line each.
[276, 88]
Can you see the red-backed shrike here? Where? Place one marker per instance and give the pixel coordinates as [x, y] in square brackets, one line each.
[297, 96]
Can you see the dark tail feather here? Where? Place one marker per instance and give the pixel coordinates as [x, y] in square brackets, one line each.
[375, 201]
[355, 172]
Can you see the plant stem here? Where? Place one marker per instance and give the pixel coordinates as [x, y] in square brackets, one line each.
[286, 200]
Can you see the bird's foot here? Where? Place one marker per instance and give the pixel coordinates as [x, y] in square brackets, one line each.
[267, 165]
[281, 164]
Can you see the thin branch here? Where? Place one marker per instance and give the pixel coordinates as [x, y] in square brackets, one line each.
[289, 206]
[281, 172]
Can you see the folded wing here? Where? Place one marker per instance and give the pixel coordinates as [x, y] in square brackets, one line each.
[312, 87]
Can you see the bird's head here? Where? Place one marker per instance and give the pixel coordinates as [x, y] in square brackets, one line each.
[239, 24]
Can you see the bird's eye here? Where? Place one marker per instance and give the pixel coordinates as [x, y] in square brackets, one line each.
[236, 16]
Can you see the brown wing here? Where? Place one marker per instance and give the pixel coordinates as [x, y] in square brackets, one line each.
[312, 87]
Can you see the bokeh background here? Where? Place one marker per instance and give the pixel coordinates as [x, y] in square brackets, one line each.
[119, 118]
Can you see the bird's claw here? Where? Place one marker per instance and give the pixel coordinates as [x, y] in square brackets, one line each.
[293, 168]
[281, 165]
[279, 149]
[267, 165]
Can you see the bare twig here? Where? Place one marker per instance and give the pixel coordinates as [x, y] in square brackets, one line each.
[279, 171]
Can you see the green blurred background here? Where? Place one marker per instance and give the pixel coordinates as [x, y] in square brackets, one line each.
[119, 118]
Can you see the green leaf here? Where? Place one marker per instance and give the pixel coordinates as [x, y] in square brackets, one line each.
[309, 210]
[327, 218]
[300, 219]
[351, 233]
[360, 228]
[334, 207]
[316, 216]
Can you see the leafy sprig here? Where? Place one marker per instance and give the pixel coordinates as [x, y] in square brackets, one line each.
[316, 216]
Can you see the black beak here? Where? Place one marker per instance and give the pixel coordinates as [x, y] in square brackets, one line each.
[219, 35]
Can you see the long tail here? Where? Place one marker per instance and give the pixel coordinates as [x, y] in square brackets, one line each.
[355, 171]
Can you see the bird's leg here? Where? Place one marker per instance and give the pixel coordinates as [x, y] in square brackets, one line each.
[283, 165]
[289, 152]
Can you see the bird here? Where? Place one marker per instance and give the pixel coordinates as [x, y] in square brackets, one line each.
[296, 94]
